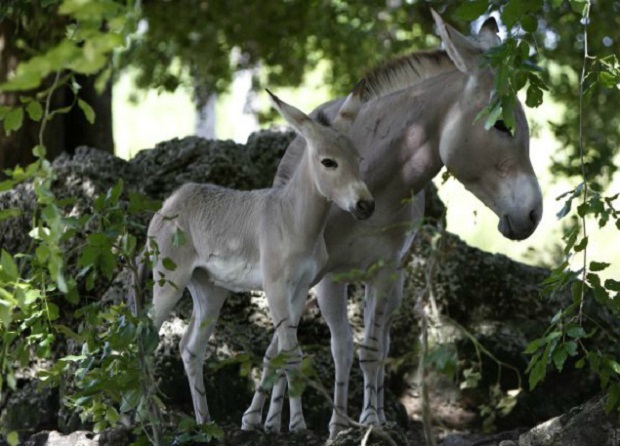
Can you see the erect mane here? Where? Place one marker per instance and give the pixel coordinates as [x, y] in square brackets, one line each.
[405, 71]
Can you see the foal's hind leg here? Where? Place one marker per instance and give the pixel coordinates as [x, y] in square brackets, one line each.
[332, 299]
[208, 300]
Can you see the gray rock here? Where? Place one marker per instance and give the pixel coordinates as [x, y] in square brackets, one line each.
[585, 425]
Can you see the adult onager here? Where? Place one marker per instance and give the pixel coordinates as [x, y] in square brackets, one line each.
[420, 115]
[269, 239]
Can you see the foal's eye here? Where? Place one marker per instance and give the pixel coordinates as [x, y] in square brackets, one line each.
[329, 163]
[501, 126]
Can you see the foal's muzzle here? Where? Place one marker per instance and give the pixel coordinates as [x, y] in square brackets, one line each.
[363, 209]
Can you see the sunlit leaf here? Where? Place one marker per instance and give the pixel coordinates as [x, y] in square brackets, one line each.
[34, 110]
[13, 120]
[89, 113]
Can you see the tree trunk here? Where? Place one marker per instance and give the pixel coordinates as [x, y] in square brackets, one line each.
[64, 132]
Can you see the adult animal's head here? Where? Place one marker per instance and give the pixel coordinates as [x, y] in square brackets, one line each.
[493, 164]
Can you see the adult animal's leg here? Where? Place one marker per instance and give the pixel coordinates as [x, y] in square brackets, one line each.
[392, 304]
[332, 300]
[382, 299]
[208, 300]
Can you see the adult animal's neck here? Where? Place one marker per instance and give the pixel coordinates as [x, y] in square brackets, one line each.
[399, 137]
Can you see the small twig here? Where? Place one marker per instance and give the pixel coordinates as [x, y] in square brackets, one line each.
[366, 436]
[582, 80]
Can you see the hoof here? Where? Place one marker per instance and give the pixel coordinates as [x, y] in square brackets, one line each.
[273, 428]
[382, 419]
[297, 427]
[337, 426]
[370, 418]
[251, 422]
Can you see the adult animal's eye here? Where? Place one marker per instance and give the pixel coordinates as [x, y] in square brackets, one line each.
[329, 163]
[501, 126]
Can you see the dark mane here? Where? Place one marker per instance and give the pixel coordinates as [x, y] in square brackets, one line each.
[323, 119]
[405, 71]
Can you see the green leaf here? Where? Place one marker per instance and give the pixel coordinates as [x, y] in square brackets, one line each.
[13, 120]
[612, 398]
[576, 332]
[533, 346]
[534, 96]
[559, 357]
[169, 264]
[493, 116]
[529, 23]
[9, 213]
[8, 267]
[130, 400]
[39, 151]
[115, 192]
[69, 334]
[598, 266]
[12, 438]
[471, 10]
[579, 6]
[178, 238]
[571, 348]
[537, 373]
[34, 110]
[89, 113]
[612, 285]
[608, 79]
[4, 110]
[581, 245]
[512, 12]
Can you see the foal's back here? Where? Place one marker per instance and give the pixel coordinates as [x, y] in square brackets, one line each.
[220, 231]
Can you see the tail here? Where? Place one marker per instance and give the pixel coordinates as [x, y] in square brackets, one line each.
[135, 297]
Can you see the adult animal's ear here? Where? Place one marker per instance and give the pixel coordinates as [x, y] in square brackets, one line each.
[465, 52]
[487, 36]
[351, 107]
[295, 117]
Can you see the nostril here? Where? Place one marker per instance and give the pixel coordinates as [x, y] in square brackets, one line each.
[534, 216]
[365, 206]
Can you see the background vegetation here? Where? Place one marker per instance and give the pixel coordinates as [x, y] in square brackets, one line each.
[58, 59]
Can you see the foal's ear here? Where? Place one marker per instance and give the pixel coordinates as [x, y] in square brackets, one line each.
[351, 106]
[464, 52]
[295, 117]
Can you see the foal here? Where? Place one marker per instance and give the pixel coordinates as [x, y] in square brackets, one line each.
[270, 239]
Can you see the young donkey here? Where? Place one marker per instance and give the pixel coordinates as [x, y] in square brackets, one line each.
[270, 239]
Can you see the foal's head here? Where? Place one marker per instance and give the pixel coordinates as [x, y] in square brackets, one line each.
[333, 160]
[493, 164]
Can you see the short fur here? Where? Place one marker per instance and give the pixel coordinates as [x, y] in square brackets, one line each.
[269, 239]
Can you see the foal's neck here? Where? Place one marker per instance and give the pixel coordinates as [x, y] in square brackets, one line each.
[306, 205]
